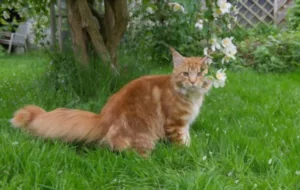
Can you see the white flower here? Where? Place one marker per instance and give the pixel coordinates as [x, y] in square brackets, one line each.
[199, 24]
[215, 44]
[221, 75]
[208, 60]
[220, 78]
[229, 52]
[15, 143]
[229, 26]
[217, 13]
[176, 6]
[270, 161]
[6, 15]
[149, 23]
[227, 42]
[225, 59]
[204, 157]
[224, 6]
[208, 57]
[229, 49]
[205, 51]
[297, 172]
[150, 10]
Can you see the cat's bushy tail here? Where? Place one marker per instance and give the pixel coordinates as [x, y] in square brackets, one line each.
[64, 124]
[25, 115]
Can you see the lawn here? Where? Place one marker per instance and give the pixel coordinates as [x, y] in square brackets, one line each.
[246, 137]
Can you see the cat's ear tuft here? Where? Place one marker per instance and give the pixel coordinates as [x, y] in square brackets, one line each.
[204, 64]
[177, 58]
[204, 59]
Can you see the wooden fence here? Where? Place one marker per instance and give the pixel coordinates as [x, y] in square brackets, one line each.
[253, 12]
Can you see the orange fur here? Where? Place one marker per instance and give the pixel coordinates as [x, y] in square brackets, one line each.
[144, 111]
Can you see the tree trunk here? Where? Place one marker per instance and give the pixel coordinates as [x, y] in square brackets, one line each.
[52, 25]
[79, 35]
[115, 24]
[92, 26]
[104, 32]
[59, 25]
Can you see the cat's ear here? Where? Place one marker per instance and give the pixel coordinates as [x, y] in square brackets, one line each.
[204, 61]
[177, 58]
[204, 64]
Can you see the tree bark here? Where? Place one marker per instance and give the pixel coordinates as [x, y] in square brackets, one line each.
[59, 26]
[92, 26]
[115, 24]
[52, 25]
[104, 31]
[79, 35]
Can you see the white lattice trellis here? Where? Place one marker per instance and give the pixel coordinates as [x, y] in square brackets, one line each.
[253, 12]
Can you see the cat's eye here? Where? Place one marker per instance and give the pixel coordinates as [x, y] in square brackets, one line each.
[199, 74]
[186, 74]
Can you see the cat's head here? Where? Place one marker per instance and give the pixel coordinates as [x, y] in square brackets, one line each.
[189, 73]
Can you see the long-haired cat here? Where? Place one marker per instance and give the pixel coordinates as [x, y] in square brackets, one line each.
[144, 111]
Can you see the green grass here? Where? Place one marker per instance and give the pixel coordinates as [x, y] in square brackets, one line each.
[246, 137]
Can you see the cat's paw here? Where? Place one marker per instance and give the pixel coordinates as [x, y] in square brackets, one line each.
[186, 139]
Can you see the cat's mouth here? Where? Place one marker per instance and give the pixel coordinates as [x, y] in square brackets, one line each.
[193, 88]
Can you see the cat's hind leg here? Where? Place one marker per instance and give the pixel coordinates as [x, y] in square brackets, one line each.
[141, 143]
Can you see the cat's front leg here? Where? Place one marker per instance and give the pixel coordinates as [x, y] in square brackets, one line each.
[186, 137]
[178, 134]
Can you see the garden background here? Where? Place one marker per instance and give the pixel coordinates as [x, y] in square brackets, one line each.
[247, 135]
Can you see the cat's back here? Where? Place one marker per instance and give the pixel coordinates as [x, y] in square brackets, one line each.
[139, 91]
[145, 84]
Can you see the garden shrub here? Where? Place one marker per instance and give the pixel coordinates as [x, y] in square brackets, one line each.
[241, 33]
[155, 26]
[277, 53]
[2, 51]
[293, 16]
[196, 31]
[74, 83]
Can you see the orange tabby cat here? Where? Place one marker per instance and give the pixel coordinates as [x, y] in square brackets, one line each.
[144, 111]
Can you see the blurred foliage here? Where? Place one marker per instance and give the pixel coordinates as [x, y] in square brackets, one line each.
[155, 26]
[293, 16]
[272, 53]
